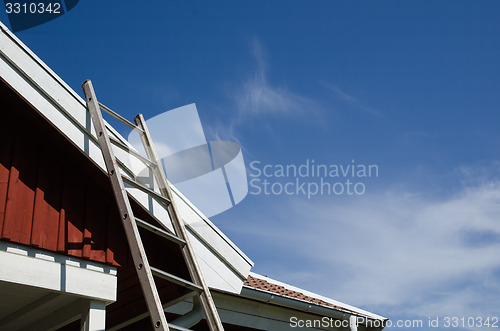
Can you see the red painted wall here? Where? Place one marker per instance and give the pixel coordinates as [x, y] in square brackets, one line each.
[52, 196]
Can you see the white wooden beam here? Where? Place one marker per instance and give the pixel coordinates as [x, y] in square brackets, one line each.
[33, 267]
[93, 316]
[353, 323]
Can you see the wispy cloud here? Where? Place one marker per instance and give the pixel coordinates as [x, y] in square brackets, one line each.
[349, 99]
[341, 93]
[258, 96]
[397, 253]
[254, 98]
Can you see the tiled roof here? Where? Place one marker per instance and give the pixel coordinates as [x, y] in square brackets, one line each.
[264, 285]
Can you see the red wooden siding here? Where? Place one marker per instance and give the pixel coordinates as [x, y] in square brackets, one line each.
[51, 196]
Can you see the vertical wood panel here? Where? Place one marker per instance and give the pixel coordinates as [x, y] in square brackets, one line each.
[87, 241]
[47, 201]
[95, 224]
[61, 233]
[117, 246]
[110, 254]
[21, 191]
[7, 141]
[74, 206]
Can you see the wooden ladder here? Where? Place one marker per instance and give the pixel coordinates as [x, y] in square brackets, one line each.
[197, 285]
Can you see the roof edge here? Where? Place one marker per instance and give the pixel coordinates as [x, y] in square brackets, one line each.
[340, 306]
[42, 64]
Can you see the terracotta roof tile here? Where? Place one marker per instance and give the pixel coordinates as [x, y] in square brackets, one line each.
[262, 284]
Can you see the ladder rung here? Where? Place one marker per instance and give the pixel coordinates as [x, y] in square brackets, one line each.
[120, 118]
[127, 149]
[159, 231]
[126, 170]
[176, 280]
[176, 327]
[145, 189]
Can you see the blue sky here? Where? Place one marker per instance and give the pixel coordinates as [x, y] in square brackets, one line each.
[409, 86]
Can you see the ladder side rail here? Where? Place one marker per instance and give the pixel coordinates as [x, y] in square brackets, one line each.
[206, 299]
[132, 233]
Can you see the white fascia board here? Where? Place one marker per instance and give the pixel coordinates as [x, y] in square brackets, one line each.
[40, 87]
[260, 315]
[342, 305]
[43, 269]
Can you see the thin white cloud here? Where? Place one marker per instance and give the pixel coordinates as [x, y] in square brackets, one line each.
[257, 96]
[341, 93]
[349, 99]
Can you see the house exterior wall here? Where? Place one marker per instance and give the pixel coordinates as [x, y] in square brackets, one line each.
[47, 199]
